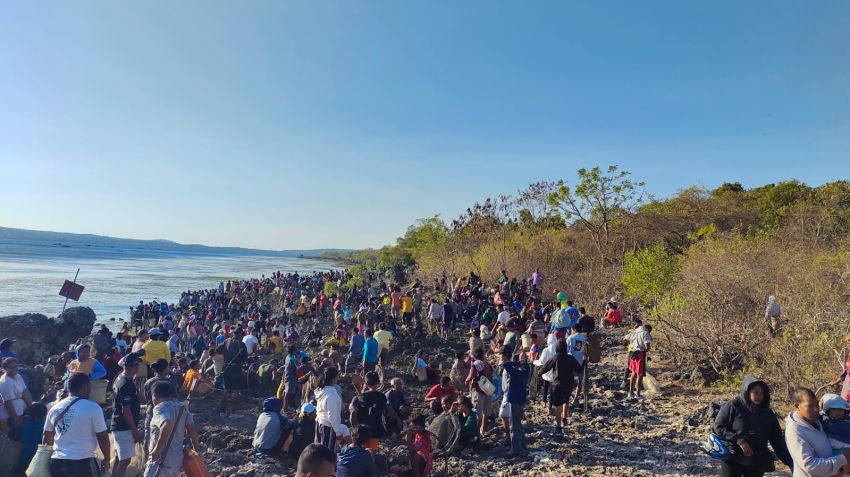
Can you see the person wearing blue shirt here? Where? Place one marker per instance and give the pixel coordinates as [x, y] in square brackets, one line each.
[371, 349]
[355, 349]
[354, 460]
[6, 349]
[515, 375]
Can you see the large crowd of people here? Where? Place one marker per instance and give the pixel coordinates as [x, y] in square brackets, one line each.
[322, 363]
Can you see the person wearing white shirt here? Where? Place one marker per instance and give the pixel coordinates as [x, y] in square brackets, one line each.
[251, 341]
[545, 356]
[329, 426]
[75, 428]
[504, 316]
[16, 397]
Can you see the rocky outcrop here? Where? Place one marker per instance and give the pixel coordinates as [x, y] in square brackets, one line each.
[39, 336]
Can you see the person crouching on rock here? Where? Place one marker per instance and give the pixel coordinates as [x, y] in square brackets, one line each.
[273, 433]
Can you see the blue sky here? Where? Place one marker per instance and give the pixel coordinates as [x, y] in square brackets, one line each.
[336, 124]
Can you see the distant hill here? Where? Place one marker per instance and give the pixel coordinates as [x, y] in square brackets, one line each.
[30, 238]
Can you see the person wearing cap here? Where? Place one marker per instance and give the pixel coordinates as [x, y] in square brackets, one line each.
[126, 413]
[273, 433]
[155, 348]
[306, 432]
[835, 422]
[15, 396]
[6, 349]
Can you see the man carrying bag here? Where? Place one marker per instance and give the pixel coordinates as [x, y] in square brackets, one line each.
[170, 424]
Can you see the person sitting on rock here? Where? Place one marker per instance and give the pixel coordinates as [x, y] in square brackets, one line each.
[85, 363]
[273, 433]
[435, 394]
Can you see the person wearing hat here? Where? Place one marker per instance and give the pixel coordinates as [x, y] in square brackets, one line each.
[155, 348]
[126, 413]
[273, 433]
[835, 422]
[6, 349]
[306, 431]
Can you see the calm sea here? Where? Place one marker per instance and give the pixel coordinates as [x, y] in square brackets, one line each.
[115, 278]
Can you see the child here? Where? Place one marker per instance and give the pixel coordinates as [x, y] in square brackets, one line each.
[419, 447]
[31, 433]
[835, 422]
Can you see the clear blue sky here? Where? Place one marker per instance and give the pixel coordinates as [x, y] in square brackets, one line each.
[309, 124]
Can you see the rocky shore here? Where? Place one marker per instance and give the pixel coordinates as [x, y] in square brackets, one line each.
[657, 437]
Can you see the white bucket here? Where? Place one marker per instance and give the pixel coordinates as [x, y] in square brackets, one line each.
[98, 390]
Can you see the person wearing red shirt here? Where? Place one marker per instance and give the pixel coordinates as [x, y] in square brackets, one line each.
[436, 393]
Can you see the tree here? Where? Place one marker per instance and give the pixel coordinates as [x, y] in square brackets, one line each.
[598, 202]
[648, 273]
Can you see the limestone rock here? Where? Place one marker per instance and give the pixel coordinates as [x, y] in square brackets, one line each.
[39, 336]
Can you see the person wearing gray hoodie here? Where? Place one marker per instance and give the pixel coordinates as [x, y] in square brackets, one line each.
[808, 443]
[748, 424]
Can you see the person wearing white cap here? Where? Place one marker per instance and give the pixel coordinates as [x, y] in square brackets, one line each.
[306, 433]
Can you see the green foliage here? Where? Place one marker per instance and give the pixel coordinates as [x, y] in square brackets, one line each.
[598, 202]
[648, 273]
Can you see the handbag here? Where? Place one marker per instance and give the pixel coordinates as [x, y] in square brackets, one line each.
[193, 464]
[156, 466]
[486, 386]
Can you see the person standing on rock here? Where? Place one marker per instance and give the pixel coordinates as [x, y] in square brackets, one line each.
[639, 342]
[75, 428]
[170, 425]
[235, 354]
[15, 398]
[808, 444]
[748, 424]
[563, 367]
[126, 413]
[329, 427]
[515, 376]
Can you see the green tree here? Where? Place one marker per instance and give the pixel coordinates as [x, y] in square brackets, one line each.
[598, 202]
[648, 273]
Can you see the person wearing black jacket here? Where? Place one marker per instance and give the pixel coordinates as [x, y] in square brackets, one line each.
[565, 366]
[748, 424]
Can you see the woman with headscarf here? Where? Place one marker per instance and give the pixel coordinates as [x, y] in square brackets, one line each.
[85, 363]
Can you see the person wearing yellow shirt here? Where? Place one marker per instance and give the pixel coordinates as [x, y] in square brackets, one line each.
[407, 307]
[155, 348]
[383, 337]
[277, 341]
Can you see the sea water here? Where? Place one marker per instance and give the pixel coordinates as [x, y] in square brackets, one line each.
[116, 278]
